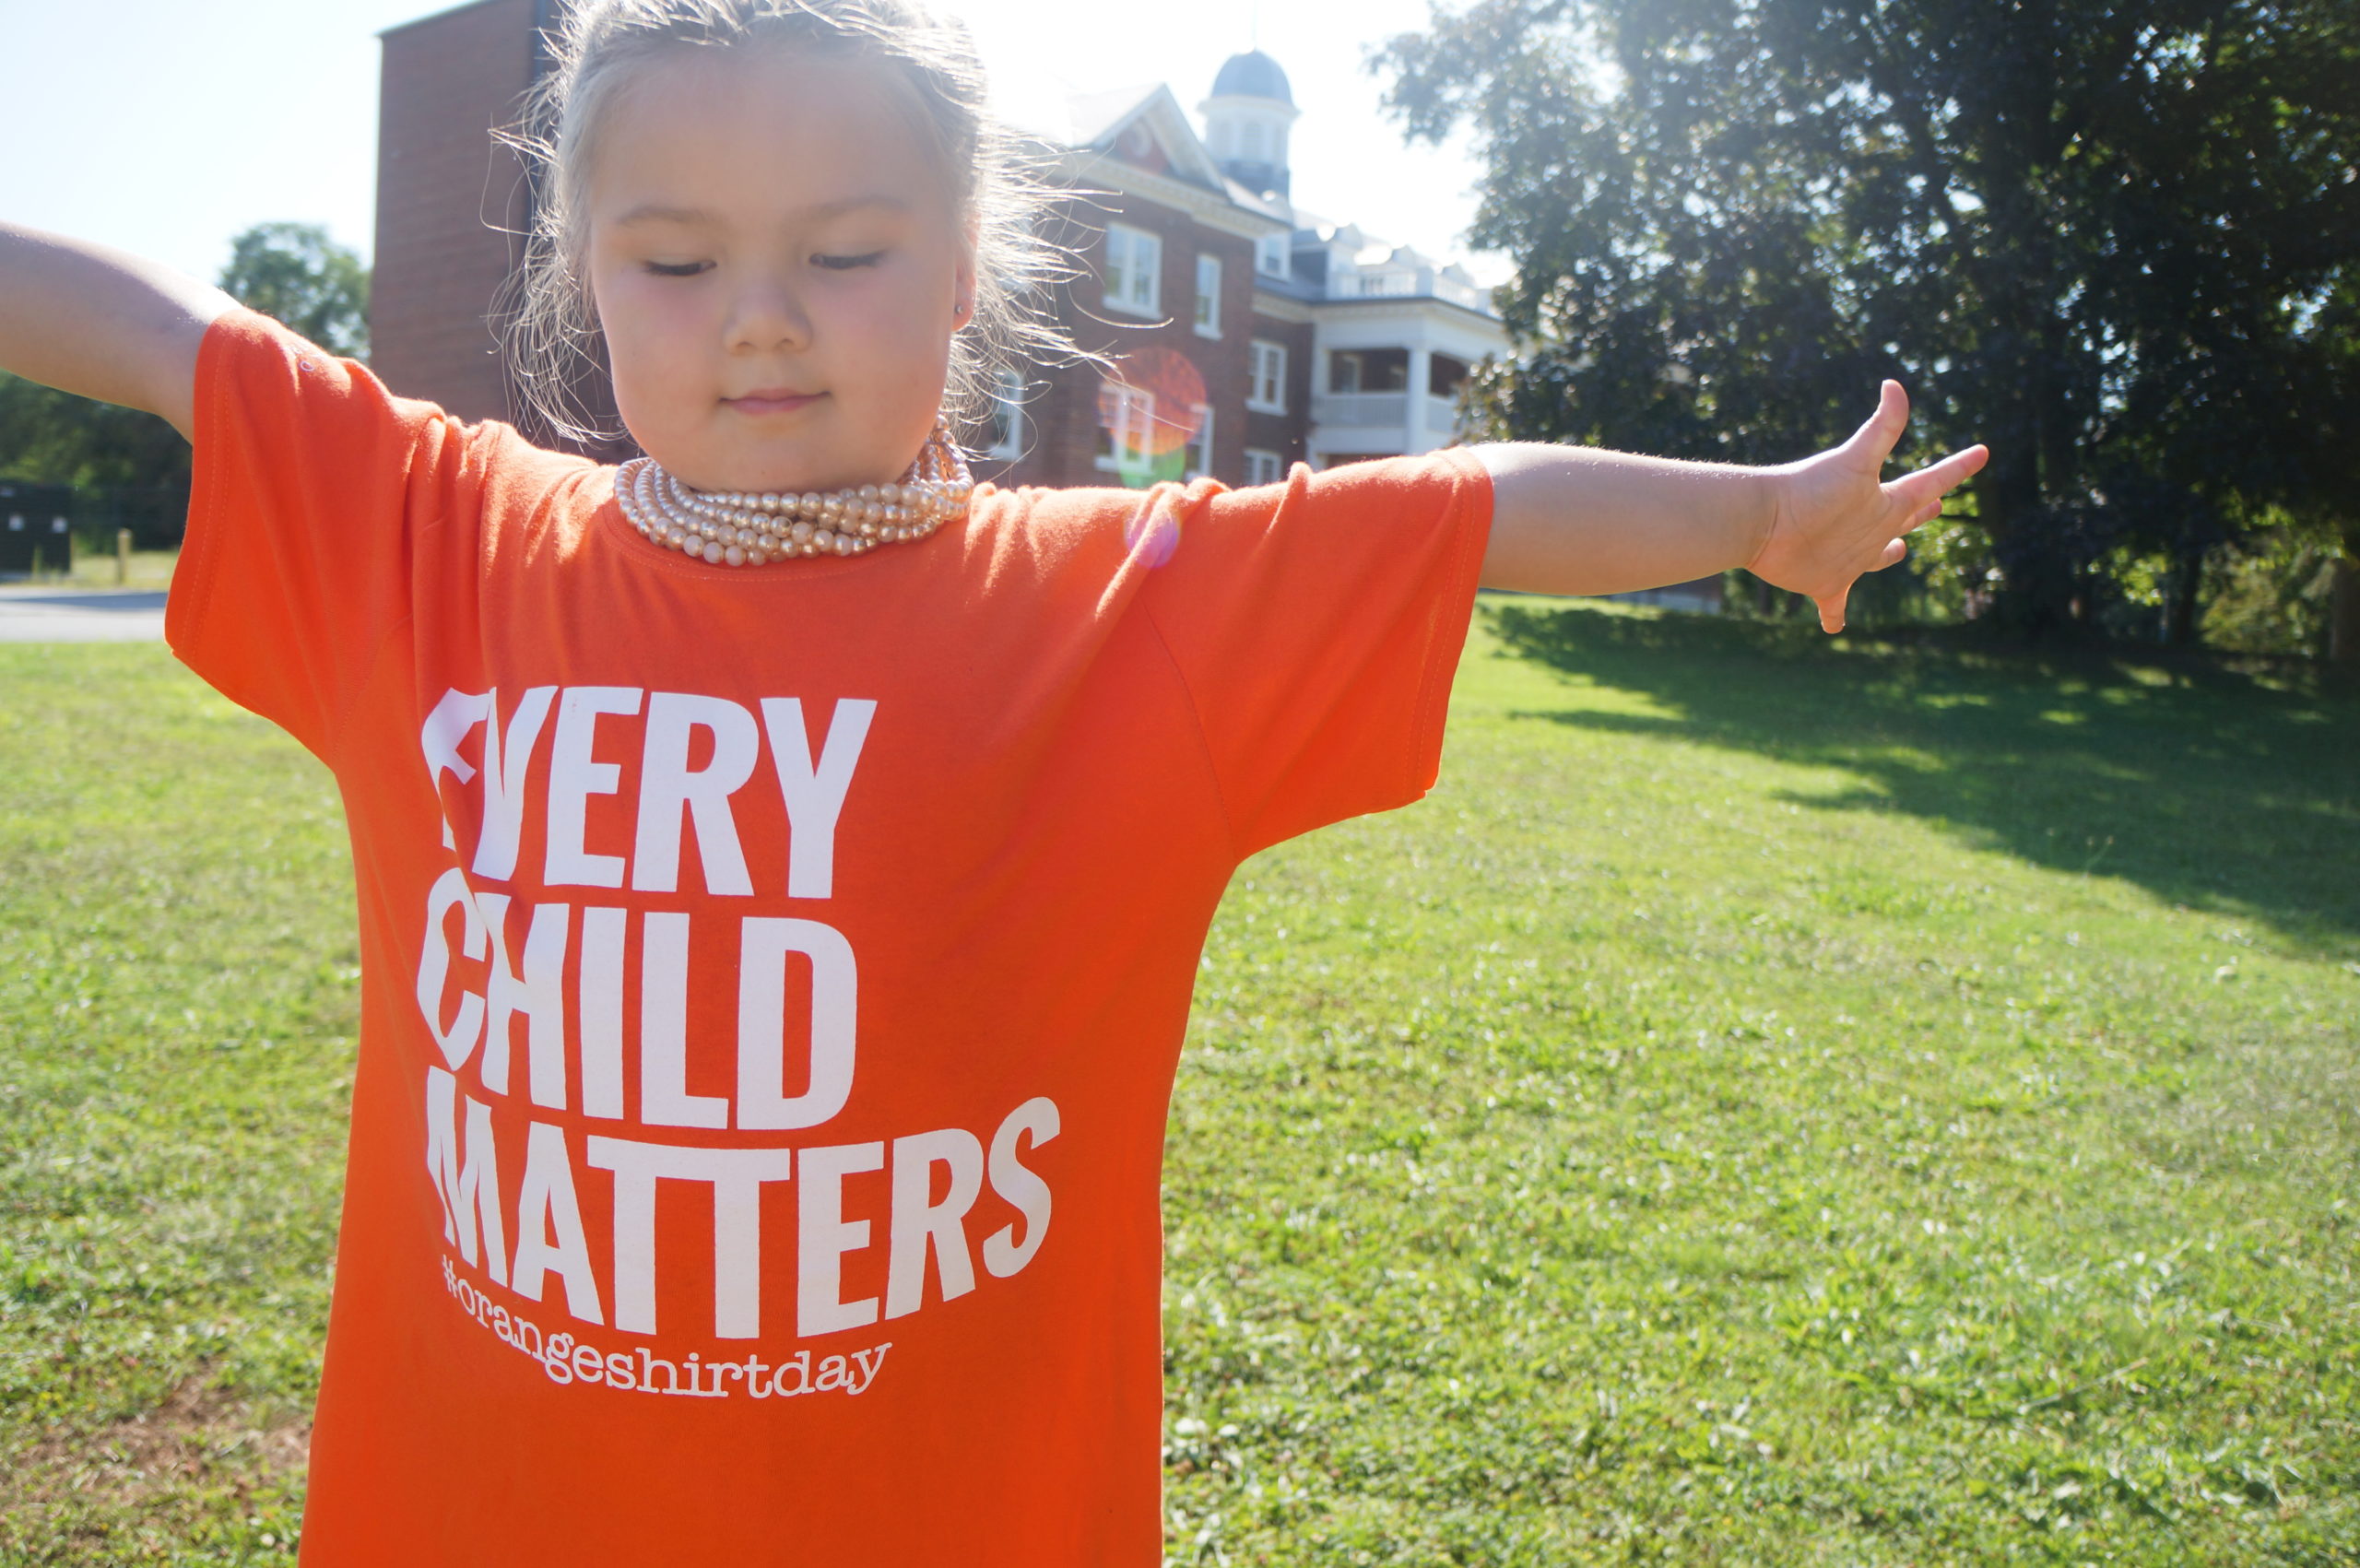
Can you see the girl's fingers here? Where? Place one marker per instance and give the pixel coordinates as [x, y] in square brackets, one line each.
[1875, 439]
[1938, 480]
[1831, 606]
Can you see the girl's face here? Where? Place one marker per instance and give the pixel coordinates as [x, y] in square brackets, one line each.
[778, 265]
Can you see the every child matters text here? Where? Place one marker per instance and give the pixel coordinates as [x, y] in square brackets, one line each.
[528, 1000]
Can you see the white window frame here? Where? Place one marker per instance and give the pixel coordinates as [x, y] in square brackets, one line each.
[1207, 295]
[1272, 255]
[1267, 363]
[1132, 434]
[1197, 459]
[1134, 271]
[1264, 466]
[1007, 410]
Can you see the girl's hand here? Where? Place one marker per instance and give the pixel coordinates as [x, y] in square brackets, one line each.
[1835, 520]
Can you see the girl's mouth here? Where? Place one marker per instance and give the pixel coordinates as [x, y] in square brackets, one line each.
[772, 401]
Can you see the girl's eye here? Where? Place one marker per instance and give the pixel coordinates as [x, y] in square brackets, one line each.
[844, 264]
[677, 269]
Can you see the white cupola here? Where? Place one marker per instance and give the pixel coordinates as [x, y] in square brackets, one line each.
[1246, 120]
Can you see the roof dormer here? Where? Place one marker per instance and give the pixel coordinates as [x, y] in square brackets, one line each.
[1146, 128]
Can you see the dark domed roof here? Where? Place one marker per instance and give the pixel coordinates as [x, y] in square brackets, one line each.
[1253, 76]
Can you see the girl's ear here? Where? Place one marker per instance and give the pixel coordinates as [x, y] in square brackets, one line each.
[962, 289]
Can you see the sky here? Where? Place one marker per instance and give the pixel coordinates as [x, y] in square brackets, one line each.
[165, 127]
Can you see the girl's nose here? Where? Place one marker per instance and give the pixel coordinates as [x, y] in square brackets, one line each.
[767, 316]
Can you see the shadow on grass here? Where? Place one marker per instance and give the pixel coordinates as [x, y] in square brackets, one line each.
[2209, 787]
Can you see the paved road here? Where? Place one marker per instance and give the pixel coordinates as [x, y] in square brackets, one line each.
[57, 615]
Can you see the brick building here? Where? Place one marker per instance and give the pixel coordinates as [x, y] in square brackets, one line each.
[453, 206]
[1303, 340]
[1246, 334]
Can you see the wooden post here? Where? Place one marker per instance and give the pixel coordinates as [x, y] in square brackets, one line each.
[122, 556]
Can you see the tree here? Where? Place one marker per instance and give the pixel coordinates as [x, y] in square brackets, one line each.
[294, 272]
[55, 438]
[2329, 510]
[2094, 236]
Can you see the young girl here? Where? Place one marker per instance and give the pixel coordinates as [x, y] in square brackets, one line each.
[782, 868]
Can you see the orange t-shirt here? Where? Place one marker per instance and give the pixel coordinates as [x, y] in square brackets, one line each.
[773, 979]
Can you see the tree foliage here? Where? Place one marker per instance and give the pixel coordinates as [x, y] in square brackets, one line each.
[292, 271]
[2106, 239]
[49, 437]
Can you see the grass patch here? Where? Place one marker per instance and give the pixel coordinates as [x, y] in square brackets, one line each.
[1776, 1102]
[1784, 1102]
[147, 570]
[177, 1009]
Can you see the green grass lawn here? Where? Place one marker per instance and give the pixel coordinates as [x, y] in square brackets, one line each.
[142, 569]
[147, 570]
[1775, 1103]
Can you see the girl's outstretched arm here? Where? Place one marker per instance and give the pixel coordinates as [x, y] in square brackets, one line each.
[89, 320]
[1578, 520]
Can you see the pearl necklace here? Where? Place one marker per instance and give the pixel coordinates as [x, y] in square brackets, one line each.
[742, 529]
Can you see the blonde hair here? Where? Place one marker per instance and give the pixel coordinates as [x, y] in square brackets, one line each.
[551, 329]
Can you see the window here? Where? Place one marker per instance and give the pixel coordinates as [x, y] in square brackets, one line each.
[1267, 389]
[1263, 467]
[1445, 373]
[1008, 416]
[1126, 429]
[1134, 263]
[1253, 145]
[1208, 296]
[1199, 459]
[1270, 254]
[1368, 369]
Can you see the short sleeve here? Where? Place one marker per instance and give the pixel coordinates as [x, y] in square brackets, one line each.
[1318, 625]
[310, 480]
